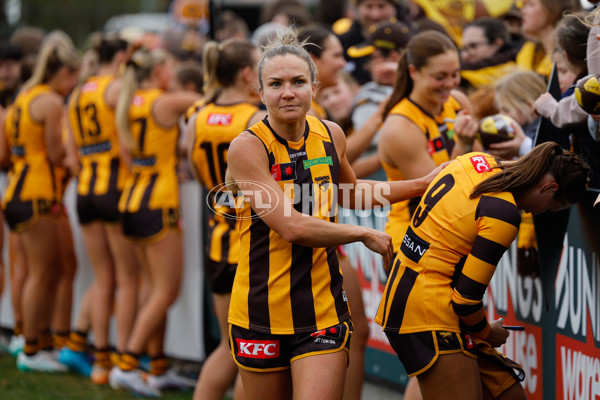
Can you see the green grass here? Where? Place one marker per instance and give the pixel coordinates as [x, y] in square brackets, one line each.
[17, 385]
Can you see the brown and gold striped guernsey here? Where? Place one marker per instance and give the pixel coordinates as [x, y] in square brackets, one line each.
[153, 184]
[440, 142]
[32, 176]
[216, 125]
[449, 253]
[283, 288]
[95, 133]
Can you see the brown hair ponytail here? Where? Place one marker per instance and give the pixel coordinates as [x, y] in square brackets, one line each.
[569, 171]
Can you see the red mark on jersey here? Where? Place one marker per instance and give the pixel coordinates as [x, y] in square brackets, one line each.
[480, 164]
[333, 330]
[219, 119]
[137, 101]
[262, 349]
[284, 171]
[89, 87]
[430, 148]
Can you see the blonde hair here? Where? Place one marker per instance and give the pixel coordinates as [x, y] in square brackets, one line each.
[283, 44]
[57, 51]
[518, 91]
[139, 68]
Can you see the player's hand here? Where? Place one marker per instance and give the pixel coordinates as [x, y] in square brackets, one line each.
[509, 149]
[498, 335]
[465, 128]
[380, 242]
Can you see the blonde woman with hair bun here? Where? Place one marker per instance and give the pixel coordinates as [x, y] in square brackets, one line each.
[33, 197]
[289, 319]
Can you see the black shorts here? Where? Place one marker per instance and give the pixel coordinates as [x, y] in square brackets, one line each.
[92, 207]
[21, 215]
[419, 351]
[263, 352]
[148, 226]
[220, 275]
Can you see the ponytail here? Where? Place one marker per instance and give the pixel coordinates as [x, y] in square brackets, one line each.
[419, 49]
[222, 62]
[210, 60]
[57, 51]
[139, 68]
[568, 170]
[128, 88]
[403, 85]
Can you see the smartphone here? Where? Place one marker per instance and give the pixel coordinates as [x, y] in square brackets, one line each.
[514, 327]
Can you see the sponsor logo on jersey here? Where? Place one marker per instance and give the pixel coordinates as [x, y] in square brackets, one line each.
[299, 154]
[323, 182]
[261, 349]
[219, 119]
[284, 171]
[137, 101]
[316, 161]
[413, 246]
[89, 87]
[480, 164]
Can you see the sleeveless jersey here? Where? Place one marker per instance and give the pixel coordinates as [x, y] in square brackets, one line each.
[449, 253]
[95, 133]
[283, 288]
[216, 126]
[440, 142]
[153, 183]
[319, 110]
[193, 109]
[32, 174]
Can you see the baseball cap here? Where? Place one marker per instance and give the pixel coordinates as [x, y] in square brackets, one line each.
[385, 35]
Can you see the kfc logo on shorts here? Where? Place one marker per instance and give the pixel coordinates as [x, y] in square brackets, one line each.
[219, 119]
[262, 349]
[480, 164]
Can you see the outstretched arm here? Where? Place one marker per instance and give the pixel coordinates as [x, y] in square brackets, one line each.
[249, 169]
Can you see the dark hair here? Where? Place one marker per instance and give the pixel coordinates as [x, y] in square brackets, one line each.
[572, 34]
[190, 72]
[314, 38]
[418, 51]
[570, 172]
[229, 24]
[293, 9]
[10, 51]
[108, 45]
[281, 45]
[556, 8]
[492, 28]
[223, 61]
